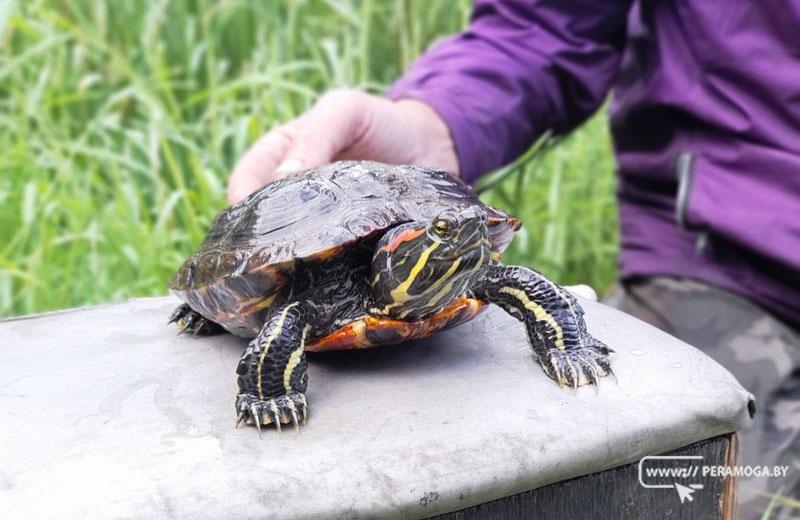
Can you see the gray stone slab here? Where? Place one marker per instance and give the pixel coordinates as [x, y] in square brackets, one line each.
[105, 412]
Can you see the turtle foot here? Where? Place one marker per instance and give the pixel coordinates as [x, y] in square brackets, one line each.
[192, 321]
[578, 365]
[291, 407]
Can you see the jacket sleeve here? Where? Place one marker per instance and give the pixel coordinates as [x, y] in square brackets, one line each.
[520, 68]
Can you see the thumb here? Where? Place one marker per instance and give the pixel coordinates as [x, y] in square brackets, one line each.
[324, 131]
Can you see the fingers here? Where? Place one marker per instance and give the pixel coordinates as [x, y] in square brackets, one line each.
[346, 124]
[313, 139]
[257, 166]
[333, 124]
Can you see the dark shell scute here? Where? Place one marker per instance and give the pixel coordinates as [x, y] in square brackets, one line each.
[316, 213]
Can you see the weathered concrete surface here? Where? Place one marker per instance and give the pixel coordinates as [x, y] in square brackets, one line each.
[105, 412]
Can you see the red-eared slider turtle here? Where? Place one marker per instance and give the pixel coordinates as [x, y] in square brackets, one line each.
[356, 254]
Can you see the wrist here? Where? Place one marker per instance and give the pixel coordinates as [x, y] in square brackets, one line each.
[435, 146]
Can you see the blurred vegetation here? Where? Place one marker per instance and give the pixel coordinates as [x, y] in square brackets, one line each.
[120, 120]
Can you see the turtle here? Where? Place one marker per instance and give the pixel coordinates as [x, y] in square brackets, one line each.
[355, 254]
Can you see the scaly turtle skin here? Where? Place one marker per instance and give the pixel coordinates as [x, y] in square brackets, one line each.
[357, 254]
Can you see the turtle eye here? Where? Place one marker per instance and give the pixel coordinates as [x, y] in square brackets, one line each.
[442, 227]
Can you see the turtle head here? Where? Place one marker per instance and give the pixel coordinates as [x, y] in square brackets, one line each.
[420, 267]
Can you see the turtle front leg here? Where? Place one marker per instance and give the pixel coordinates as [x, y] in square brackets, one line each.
[554, 320]
[190, 320]
[273, 373]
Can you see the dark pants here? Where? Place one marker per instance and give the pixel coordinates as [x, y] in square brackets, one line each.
[764, 355]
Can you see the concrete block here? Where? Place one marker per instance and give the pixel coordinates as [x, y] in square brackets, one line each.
[106, 412]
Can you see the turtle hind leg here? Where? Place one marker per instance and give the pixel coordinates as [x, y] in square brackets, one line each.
[189, 320]
[273, 372]
[554, 321]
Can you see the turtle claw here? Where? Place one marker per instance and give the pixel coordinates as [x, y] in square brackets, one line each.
[256, 418]
[179, 313]
[185, 326]
[578, 366]
[277, 422]
[200, 324]
[304, 410]
[295, 421]
[284, 409]
[592, 376]
[189, 320]
[612, 374]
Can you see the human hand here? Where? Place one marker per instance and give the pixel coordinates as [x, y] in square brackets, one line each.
[346, 124]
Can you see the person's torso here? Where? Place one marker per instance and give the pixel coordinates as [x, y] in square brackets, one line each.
[717, 83]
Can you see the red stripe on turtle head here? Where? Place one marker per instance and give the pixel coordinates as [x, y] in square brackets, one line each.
[404, 236]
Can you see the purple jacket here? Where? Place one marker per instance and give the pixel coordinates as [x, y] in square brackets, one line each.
[705, 118]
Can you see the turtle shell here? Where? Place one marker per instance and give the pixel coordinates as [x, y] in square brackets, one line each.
[251, 249]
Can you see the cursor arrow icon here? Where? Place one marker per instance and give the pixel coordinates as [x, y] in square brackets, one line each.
[684, 492]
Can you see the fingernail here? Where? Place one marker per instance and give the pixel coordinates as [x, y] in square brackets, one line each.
[289, 166]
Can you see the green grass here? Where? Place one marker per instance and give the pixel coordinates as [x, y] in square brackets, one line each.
[120, 121]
